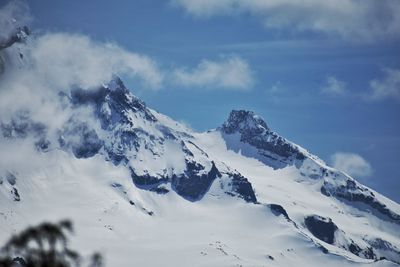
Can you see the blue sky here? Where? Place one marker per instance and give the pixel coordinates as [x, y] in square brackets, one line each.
[325, 75]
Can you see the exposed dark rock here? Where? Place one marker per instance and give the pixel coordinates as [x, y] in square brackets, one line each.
[244, 121]
[18, 36]
[253, 130]
[323, 249]
[81, 139]
[322, 228]
[122, 142]
[146, 181]
[191, 185]
[354, 248]
[278, 210]
[385, 248]
[111, 103]
[116, 185]
[160, 190]
[243, 188]
[15, 194]
[356, 193]
[367, 253]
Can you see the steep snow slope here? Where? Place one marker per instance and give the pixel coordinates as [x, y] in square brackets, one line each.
[145, 190]
[216, 231]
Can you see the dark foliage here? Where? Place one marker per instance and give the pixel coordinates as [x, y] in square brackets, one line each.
[45, 245]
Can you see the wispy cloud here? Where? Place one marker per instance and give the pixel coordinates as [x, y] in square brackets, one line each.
[386, 87]
[352, 164]
[367, 20]
[232, 73]
[334, 86]
[275, 88]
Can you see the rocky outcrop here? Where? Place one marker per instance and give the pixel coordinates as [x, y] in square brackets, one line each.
[352, 192]
[241, 187]
[267, 146]
[192, 185]
[18, 36]
[321, 227]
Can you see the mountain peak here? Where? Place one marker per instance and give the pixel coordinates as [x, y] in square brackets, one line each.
[20, 35]
[116, 84]
[244, 120]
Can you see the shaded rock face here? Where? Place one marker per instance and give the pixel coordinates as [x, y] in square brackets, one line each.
[326, 230]
[367, 253]
[111, 103]
[355, 193]
[245, 122]
[385, 250]
[322, 228]
[269, 147]
[81, 139]
[243, 188]
[116, 109]
[18, 36]
[147, 182]
[278, 210]
[191, 185]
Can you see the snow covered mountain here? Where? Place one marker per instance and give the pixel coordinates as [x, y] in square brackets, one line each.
[147, 191]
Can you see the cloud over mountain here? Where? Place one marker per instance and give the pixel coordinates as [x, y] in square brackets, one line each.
[352, 164]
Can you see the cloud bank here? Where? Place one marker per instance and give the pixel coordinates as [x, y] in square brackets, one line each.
[352, 164]
[366, 20]
[228, 73]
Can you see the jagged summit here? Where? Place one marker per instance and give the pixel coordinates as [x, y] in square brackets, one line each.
[244, 121]
[20, 35]
[247, 132]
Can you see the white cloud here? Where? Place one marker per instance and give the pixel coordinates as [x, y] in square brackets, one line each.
[334, 86]
[55, 62]
[228, 73]
[387, 87]
[71, 59]
[352, 164]
[367, 20]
